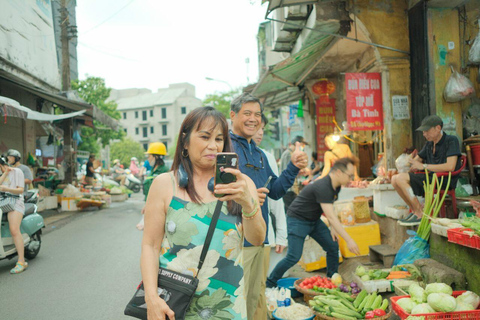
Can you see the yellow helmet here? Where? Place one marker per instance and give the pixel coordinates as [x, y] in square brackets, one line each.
[157, 148]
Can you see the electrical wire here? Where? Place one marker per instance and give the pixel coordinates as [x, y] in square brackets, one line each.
[113, 15]
[348, 138]
[106, 53]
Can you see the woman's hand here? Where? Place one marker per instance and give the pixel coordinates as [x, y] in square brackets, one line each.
[237, 191]
[3, 188]
[157, 309]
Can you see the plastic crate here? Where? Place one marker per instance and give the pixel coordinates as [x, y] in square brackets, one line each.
[440, 230]
[463, 315]
[364, 234]
[457, 236]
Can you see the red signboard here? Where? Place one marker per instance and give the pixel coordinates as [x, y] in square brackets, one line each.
[364, 101]
[325, 125]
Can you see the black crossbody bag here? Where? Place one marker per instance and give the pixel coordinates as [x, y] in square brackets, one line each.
[175, 288]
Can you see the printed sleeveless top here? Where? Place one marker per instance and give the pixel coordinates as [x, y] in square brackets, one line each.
[220, 291]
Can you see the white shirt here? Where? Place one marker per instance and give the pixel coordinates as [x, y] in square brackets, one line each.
[277, 208]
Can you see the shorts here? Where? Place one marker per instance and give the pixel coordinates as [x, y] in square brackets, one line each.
[417, 179]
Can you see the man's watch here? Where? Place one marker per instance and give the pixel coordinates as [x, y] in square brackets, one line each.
[425, 166]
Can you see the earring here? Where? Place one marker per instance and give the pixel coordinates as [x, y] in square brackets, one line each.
[185, 153]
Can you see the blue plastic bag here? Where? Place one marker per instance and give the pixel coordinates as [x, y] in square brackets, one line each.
[412, 249]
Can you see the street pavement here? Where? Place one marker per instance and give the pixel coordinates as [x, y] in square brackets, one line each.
[88, 267]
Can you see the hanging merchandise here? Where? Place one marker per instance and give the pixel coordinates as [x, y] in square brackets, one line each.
[458, 87]
[474, 53]
[77, 137]
[324, 88]
[31, 161]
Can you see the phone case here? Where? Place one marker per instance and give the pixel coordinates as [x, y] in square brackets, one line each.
[225, 160]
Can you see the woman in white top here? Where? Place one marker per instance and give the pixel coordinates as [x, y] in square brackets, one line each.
[12, 182]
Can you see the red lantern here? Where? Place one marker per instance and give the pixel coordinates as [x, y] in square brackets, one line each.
[323, 88]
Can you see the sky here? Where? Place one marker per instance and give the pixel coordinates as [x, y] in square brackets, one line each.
[152, 43]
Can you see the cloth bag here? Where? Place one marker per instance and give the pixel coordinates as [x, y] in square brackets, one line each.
[175, 288]
[7, 202]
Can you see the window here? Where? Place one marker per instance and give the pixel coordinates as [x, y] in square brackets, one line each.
[164, 113]
[151, 129]
[145, 146]
[136, 131]
[124, 115]
[166, 144]
[125, 129]
[144, 115]
[151, 113]
[136, 114]
[184, 110]
[145, 132]
[164, 129]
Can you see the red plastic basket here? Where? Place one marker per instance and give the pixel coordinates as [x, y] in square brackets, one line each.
[457, 236]
[457, 315]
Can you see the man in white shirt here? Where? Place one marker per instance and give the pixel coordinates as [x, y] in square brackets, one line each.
[277, 229]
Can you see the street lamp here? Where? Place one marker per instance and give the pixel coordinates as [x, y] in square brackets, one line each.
[228, 84]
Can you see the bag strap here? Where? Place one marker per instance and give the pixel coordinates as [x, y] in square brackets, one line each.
[211, 230]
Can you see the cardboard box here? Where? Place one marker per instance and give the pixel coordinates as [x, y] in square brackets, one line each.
[69, 204]
[364, 234]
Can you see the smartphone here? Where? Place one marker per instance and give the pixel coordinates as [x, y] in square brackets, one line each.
[225, 160]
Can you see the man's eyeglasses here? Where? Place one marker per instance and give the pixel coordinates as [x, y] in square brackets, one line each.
[351, 176]
[249, 165]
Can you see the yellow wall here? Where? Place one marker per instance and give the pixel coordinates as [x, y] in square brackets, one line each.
[387, 24]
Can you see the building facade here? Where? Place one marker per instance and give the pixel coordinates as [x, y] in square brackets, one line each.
[149, 117]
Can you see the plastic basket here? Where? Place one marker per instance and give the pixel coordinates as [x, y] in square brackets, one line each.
[440, 230]
[456, 315]
[288, 283]
[458, 236]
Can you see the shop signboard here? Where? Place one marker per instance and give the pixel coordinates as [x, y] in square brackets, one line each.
[364, 101]
[400, 107]
[325, 116]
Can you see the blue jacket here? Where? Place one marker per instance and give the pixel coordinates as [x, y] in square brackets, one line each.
[249, 154]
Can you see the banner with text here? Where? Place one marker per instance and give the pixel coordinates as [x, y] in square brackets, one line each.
[325, 117]
[364, 101]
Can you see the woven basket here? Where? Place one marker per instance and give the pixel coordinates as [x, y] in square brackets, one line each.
[308, 294]
[319, 315]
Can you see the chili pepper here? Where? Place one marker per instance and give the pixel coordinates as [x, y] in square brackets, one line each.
[379, 312]
[369, 315]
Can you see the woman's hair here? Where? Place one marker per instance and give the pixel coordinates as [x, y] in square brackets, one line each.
[195, 120]
[158, 160]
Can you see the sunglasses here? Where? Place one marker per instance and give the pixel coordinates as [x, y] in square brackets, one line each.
[249, 165]
[351, 176]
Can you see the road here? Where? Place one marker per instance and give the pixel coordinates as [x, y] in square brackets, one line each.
[86, 269]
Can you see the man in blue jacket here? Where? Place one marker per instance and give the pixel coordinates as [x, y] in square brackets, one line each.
[246, 115]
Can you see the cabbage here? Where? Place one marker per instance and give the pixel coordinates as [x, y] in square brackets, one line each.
[470, 298]
[442, 302]
[461, 306]
[406, 304]
[422, 308]
[360, 271]
[438, 288]
[365, 277]
[417, 293]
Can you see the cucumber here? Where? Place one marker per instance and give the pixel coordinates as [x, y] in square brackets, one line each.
[384, 305]
[377, 303]
[370, 301]
[361, 296]
[364, 302]
[341, 316]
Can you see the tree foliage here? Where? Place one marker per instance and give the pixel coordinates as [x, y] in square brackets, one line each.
[125, 149]
[94, 91]
[221, 101]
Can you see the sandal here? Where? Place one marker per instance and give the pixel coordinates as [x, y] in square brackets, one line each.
[19, 267]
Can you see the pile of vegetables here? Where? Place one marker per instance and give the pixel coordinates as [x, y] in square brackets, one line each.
[437, 297]
[317, 283]
[472, 223]
[372, 274]
[433, 203]
[343, 306]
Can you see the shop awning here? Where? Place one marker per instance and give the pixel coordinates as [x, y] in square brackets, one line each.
[293, 71]
[19, 111]
[74, 105]
[275, 4]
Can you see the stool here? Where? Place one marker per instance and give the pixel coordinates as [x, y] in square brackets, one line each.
[383, 253]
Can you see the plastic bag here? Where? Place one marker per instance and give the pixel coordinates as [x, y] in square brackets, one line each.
[458, 88]
[474, 53]
[412, 249]
[380, 169]
[402, 163]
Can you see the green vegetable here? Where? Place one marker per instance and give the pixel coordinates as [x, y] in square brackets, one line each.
[349, 313]
[406, 304]
[370, 301]
[384, 305]
[360, 298]
[360, 271]
[415, 318]
[422, 308]
[417, 293]
[461, 306]
[468, 297]
[365, 277]
[377, 302]
[441, 302]
[341, 316]
[472, 223]
[438, 288]
[363, 303]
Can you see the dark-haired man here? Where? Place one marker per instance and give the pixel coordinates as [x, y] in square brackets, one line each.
[440, 154]
[303, 219]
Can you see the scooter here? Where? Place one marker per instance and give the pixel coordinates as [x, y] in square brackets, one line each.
[31, 196]
[133, 183]
[31, 229]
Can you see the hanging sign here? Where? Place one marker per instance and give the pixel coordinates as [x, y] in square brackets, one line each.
[325, 125]
[400, 107]
[364, 101]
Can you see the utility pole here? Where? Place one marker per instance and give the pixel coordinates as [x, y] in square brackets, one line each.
[68, 150]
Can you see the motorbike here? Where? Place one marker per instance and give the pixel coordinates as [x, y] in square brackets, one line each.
[31, 196]
[31, 230]
[133, 183]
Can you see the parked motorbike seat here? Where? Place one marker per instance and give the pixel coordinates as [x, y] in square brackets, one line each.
[29, 209]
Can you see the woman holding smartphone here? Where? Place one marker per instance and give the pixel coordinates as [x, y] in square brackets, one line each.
[177, 216]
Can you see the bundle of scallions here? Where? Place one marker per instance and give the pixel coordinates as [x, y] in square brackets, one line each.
[433, 203]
